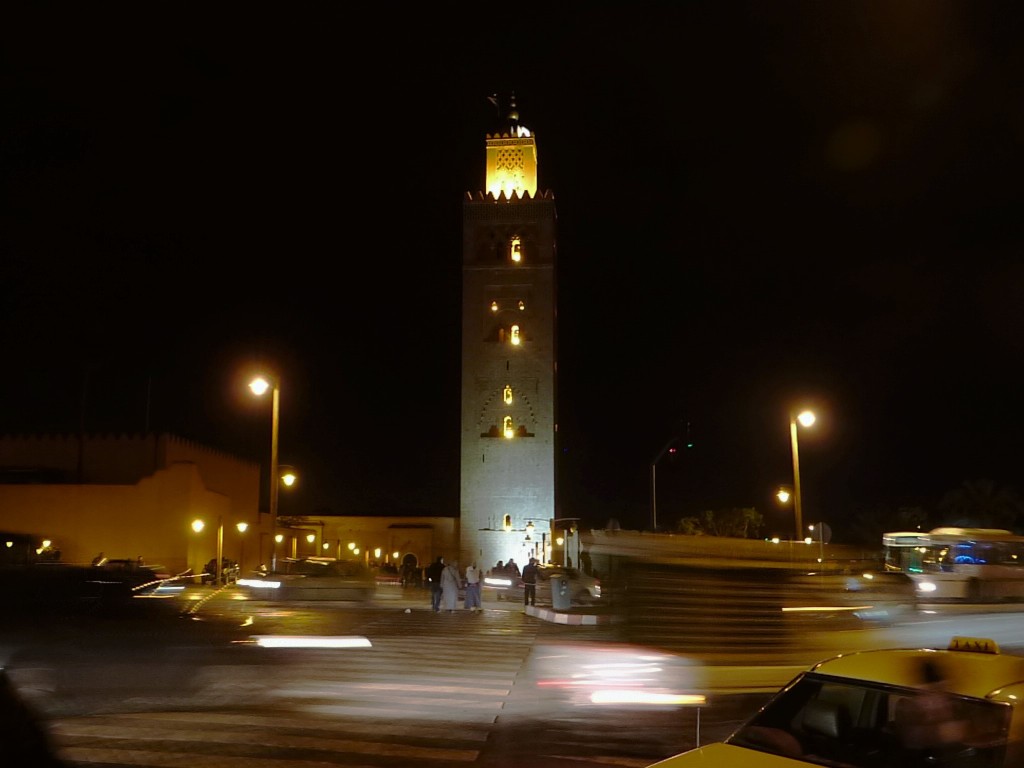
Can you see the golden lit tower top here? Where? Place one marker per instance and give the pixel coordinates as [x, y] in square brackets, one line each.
[511, 158]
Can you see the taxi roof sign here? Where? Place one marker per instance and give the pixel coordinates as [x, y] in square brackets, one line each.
[974, 645]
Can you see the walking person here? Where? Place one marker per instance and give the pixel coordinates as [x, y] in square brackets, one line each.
[406, 574]
[473, 588]
[450, 583]
[433, 574]
[530, 582]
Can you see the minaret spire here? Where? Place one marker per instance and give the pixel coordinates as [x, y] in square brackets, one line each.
[513, 114]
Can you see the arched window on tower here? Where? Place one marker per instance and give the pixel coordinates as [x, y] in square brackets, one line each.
[515, 251]
[514, 335]
[507, 395]
[508, 429]
[494, 306]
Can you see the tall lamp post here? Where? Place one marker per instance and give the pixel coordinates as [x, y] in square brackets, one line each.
[197, 526]
[568, 526]
[805, 419]
[654, 482]
[823, 531]
[259, 386]
[242, 528]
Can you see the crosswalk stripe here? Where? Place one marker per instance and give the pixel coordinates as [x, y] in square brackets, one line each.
[269, 740]
[199, 720]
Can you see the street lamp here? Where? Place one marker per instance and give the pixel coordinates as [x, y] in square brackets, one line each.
[669, 447]
[568, 526]
[575, 531]
[654, 483]
[259, 386]
[197, 526]
[823, 531]
[805, 419]
[242, 528]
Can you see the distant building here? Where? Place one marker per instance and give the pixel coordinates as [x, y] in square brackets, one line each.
[140, 495]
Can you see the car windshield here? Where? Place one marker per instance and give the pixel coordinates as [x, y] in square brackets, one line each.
[838, 722]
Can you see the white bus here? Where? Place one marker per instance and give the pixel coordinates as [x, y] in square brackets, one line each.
[965, 564]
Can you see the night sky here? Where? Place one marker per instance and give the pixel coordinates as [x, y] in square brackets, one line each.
[760, 206]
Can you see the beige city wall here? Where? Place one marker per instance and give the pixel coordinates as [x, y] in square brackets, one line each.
[151, 518]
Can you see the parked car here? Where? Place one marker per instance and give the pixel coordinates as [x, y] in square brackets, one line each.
[584, 589]
[313, 578]
[144, 580]
[958, 706]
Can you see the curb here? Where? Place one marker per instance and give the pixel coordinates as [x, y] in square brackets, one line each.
[572, 619]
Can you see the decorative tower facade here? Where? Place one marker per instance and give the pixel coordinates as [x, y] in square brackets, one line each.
[507, 500]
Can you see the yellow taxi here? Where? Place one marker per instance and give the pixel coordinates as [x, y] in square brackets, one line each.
[959, 707]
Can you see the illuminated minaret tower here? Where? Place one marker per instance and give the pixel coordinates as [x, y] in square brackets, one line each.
[508, 356]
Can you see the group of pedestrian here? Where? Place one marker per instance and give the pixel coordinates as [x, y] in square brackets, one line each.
[445, 581]
[501, 568]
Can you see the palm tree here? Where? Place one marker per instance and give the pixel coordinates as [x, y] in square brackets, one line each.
[980, 504]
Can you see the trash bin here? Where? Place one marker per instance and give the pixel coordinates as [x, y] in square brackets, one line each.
[561, 597]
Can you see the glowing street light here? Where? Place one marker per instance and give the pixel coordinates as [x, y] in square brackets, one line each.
[259, 386]
[805, 419]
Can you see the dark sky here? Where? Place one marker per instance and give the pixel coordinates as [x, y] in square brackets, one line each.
[760, 205]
